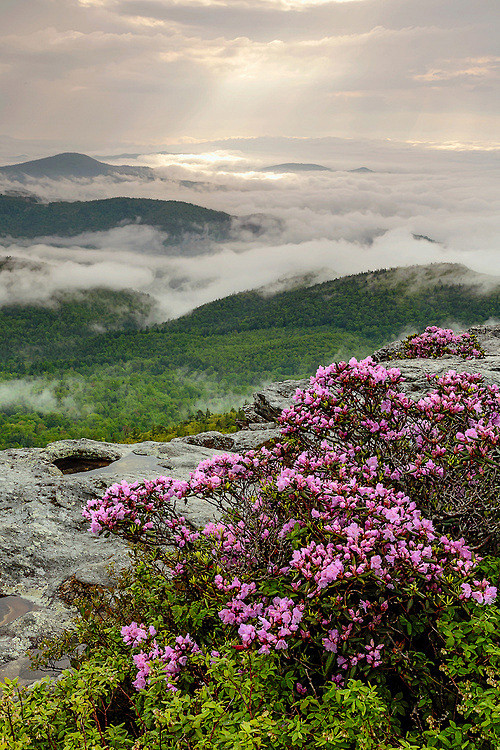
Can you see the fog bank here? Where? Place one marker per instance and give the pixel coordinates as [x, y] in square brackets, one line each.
[434, 208]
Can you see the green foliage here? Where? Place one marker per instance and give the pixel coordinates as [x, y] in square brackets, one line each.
[247, 701]
[241, 708]
[32, 430]
[114, 384]
[165, 383]
[32, 332]
[375, 305]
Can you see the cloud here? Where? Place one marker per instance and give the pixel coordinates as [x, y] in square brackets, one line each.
[315, 225]
[471, 69]
[34, 395]
[212, 68]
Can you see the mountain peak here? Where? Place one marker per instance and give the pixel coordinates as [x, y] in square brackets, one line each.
[70, 164]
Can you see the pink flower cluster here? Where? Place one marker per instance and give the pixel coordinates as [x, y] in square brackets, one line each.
[436, 342]
[272, 624]
[369, 533]
[482, 593]
[136, 504]
[347, 399]
[173, 660]
[464, 402]
[135, 634]
[328, 518]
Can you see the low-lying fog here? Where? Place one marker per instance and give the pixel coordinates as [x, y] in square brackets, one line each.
[417, 206]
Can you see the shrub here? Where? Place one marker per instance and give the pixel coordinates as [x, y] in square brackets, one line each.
[322, 609]
[441, 450]
[436, 342]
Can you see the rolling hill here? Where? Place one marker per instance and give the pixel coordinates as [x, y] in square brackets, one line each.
[128, 380]
[296, 167]
[299, 167]
[377, 304]
[25, 216]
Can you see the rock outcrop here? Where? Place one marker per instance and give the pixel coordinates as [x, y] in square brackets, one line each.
[414, 370]
[47, 553]
[46, 549]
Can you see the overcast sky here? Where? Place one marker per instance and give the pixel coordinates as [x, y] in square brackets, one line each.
[97, 75]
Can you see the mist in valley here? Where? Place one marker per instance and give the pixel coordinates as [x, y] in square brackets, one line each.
[417, 206]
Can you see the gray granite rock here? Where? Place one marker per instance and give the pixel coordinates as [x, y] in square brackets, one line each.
[414, 370]
[45, 542]
[270, 401]
[43, 537]
[247, 440]
[21, 670]
[211, 439]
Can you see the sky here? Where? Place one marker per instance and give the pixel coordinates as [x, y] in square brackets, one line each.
[212, 91]
[111, 75]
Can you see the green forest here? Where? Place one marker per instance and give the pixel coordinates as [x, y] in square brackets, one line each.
[87, 368]
[27, 217]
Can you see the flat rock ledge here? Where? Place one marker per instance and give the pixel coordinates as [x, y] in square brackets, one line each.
[48, 555]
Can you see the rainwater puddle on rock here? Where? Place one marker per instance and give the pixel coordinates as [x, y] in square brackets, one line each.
[79, 464]
[129, 464]
[12, 607]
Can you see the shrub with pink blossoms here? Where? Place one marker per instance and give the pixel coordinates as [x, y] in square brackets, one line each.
[436, 342]
[135, 507]
[173, 659]
[333, 588]
[322, 558]
[441, 450]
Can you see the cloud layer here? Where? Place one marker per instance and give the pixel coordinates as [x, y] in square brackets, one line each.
[316, 224]
[155, 71]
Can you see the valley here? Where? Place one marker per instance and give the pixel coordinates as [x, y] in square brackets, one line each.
[90, 366]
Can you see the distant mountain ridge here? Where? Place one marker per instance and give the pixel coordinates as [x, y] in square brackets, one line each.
[299, 167]
[25, 216]
[72, 165]
[296, 167]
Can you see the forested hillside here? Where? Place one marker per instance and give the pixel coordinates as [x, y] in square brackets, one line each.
[32, 331]
[374, 304]
[26, 217]
[121, 384]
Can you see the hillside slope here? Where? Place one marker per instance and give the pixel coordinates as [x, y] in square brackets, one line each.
[26, 217]
[376, 304]
[59, 378]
